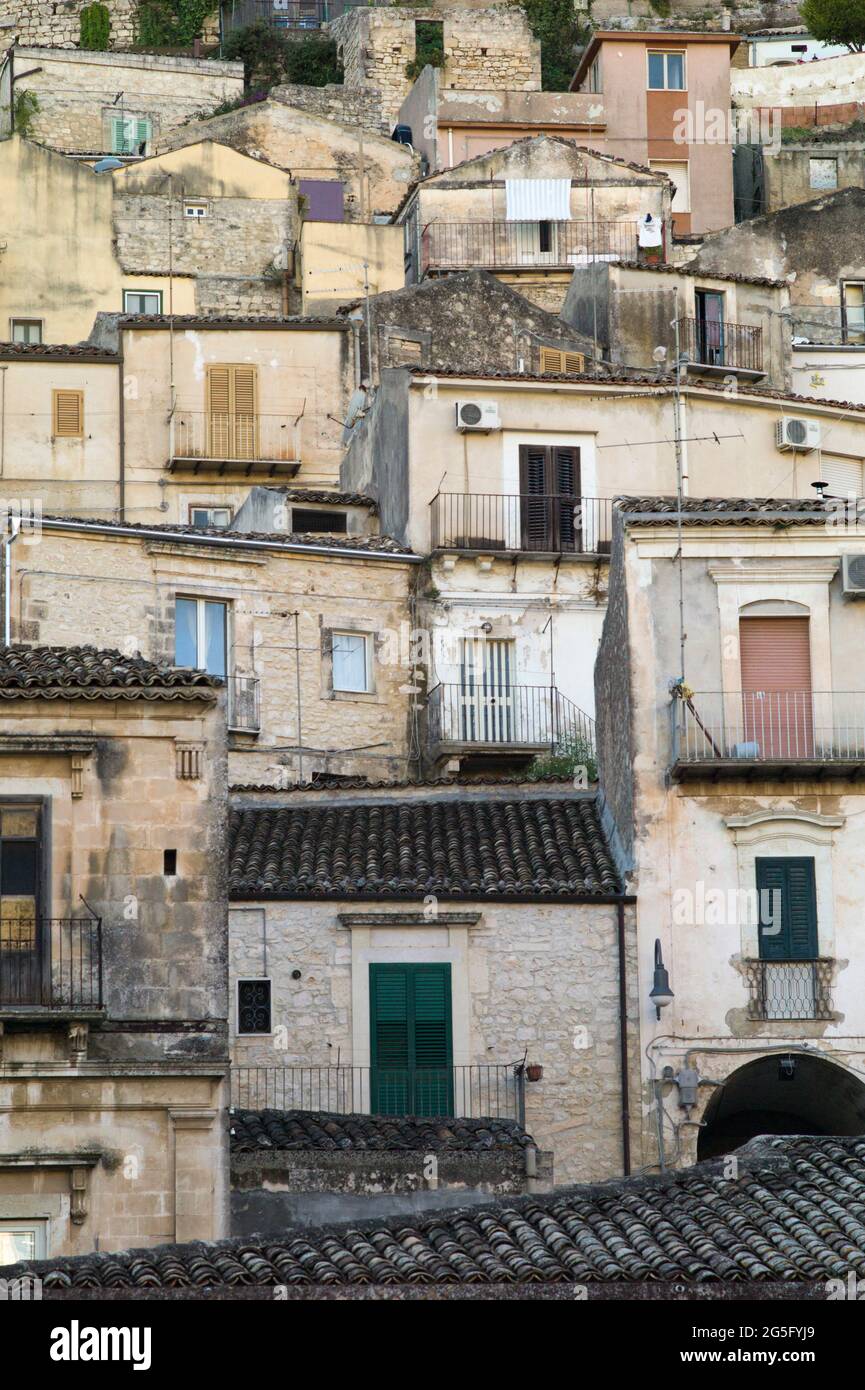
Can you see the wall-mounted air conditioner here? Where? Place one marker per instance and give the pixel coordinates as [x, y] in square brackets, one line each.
[853, 575]
[791, 432]
[478, 415]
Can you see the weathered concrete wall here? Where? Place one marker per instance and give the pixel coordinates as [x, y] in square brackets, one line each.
[541, 978]
[826, 82]
[76, 91]
[375, 171]
[613, 718]
[791, 175]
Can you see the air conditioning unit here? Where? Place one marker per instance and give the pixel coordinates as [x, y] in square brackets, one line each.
[478, 415]
[791, 432]
[853, 574]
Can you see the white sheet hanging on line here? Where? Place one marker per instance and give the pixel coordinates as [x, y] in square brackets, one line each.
[649, 232]
[538, 200]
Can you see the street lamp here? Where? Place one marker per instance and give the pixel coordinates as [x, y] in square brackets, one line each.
[661, 994]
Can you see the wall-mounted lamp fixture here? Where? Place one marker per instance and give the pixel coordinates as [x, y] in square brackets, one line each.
[661, 994]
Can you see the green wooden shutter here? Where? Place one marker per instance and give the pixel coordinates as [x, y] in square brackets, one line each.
[118, 135]
[411, 1039]
[142, 134]
[792, 886]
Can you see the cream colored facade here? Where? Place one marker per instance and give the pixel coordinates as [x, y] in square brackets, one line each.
[113, 1109]
[694, 840]
[128, 584]
[340, 262]
[457, 493]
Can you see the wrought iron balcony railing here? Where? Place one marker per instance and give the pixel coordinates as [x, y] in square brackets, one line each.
[51, 963]
[521, 523]
[244, 704]
[533, 717]
[448, 245]
[483, 1091]
[770, 729]
[794, 989]
[731, 346]
[205, 438]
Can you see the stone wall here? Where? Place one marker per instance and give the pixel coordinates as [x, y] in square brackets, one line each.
[76, 92]
[536, 978]
[350, 106]
[47, 23]
[485, 49]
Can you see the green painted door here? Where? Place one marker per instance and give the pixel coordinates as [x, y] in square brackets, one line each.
[411, 1039]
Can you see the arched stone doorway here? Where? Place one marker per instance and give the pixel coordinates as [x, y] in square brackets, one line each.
[768, 1096]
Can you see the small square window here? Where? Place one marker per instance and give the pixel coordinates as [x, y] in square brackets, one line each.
[142, 301]
[26, 330]
[210, 516]
[24, 1239]
[254, 1007]
[195, 211]
[351, 662]
[666, 72]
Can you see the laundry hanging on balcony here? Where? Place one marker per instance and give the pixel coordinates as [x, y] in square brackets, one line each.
[649, 231]
[538, 200]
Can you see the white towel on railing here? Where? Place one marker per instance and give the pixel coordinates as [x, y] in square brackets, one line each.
[538, 200]
[649, 231]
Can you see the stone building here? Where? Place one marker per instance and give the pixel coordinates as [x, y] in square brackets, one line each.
[113, 964]
[367, 173]
[530, 213]
[819, 248]
[811, 163]
[123, 104]
[731, 327]
[444, 324]
[505, 481]
[403, 951]
[489, 48]
[43, 22]
[731, 745]
[309, 630]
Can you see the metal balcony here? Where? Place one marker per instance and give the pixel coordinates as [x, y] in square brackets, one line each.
[527, 720]
[772, 733]
[713, 347]
[484, 1091]
[794, 989]
[242, 445]
[287, 14]
[515, 524]
[512, 245]
[51, 964]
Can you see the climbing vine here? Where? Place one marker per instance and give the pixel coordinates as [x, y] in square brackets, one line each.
[555, 24]
[94, 27]
[171, 23]
[24, 107]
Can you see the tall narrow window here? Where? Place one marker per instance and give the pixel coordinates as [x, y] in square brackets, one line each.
[350, 653]
[788, 937]
[549, 493]
[253, 1006]
[20, 876]
[853, 311]
[411, 1039]
[775, 660]
[710, 327]
[68, 414]
[232, 405]
[201, 636]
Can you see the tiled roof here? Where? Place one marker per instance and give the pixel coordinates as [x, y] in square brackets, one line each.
[794, 1214]
[56, 673]
[327, 497]
[228, 321]
[336, 781]
[721, 511]
[373, 545]
[259, 1131]
[90, 352]
[687, 269]
[460, 848]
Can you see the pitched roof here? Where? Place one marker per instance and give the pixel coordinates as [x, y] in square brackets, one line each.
[688, 269]
[721, 511]
[298, 540]
[263, 1131]
[603, 156]
[795, 1214]
[54, 352]
[58, 673]
[460, 848]
[221, 321]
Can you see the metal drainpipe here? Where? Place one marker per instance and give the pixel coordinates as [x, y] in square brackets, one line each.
[623, 1041]
[121, 426]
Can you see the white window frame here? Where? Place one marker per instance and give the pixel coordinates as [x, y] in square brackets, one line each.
[37, 1224]
[195, 210]
[364, 637]
[822, 159]
[29, 322]
[208, 507]
[127, 293]
[201, 600]
[666, 53]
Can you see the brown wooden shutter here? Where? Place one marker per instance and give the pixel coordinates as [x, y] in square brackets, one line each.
[775, 662]
[556, 360]
[232, 418]
[244, 412]
[552, 475]
[68, 413]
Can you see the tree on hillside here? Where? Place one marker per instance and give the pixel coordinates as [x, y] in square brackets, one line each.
[836, 21]
[270, 57]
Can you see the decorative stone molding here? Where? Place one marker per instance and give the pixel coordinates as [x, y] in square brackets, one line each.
[189, 761]
[408, 919]
[77, 776]
[79, 1182]
[78, 1034]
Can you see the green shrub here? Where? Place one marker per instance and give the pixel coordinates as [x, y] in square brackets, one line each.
[270, 57]
[171, 23]
[24, 107]
[429, 47]
[572, 752]
[94, 27]
[555, 24]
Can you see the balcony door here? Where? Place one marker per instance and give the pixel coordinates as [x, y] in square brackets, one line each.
[778, 713]
[232, 412]
[549, 494]
[21, 943]
[487, 698]
[411, 1047]
[710, 327]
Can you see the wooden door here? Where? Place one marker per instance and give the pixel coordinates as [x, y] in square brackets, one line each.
[778, 712]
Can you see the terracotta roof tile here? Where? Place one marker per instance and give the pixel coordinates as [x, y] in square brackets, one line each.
[721, 511]
[462, 848]
[258, 1131]
[58, 673]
